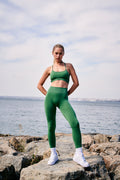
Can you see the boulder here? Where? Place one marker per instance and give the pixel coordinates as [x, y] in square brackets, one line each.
[8, 173]
[13, 142]
[115, 138]
[66, 168]
[112, 148]
[5, 148]
[111, 155]
[101, 138]
[89, 139]
[113, 165]
[16, 163]
[26, 157]
[10, 166]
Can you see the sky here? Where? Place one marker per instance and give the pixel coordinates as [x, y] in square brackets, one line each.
[89, 30]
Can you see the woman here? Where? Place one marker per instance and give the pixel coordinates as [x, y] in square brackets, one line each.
[57, 96]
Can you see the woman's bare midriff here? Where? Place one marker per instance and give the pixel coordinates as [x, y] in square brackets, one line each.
[59, 83]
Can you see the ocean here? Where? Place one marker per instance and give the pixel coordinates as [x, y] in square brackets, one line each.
[26, 116]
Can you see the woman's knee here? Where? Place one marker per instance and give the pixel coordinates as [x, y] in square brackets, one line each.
[51, 127]
[75, 124]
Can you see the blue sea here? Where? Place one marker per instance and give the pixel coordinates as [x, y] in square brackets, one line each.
[26, 116]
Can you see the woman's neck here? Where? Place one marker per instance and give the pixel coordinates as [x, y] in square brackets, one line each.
[58, 62]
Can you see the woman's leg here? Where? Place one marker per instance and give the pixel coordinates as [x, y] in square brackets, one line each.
[50, 111]
[70, 115]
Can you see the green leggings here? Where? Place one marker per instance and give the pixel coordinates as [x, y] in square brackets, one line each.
[57, 97]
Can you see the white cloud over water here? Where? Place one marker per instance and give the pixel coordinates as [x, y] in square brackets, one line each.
[89, 30]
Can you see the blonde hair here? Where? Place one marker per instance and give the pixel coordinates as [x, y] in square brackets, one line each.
[58, 46]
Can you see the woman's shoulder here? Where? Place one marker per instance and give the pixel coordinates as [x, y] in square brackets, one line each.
[48, 69]
[69, 65]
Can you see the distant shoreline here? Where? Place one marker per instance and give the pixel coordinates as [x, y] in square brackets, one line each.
[72, 99]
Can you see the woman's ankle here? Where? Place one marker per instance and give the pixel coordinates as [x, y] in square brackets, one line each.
[53, 150]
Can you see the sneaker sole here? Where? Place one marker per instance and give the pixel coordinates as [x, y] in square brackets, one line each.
[52, 163]
[80, 164]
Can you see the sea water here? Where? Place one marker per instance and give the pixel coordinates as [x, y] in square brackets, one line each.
[26, 116]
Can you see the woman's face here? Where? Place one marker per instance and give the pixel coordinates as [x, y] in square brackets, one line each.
[58, 53]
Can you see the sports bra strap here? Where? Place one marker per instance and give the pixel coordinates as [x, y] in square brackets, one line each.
[65, 65]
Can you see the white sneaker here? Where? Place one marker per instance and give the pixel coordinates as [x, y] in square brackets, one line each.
[80, 159]
[53, 159]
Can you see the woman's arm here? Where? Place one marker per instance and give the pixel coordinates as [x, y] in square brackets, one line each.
[42, 80]
[74, 79]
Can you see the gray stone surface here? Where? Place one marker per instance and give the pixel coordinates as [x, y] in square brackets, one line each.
[65, 168]
[101, 151]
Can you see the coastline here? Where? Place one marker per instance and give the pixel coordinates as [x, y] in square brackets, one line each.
[37, 98]
[25, 157]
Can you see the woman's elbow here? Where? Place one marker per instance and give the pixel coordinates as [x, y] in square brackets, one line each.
[77, 84]
[39, 86]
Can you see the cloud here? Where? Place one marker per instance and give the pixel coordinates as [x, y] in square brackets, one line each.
[89, 30]
[100, 81]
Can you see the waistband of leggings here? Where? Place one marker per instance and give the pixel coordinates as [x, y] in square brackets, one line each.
[55, 89]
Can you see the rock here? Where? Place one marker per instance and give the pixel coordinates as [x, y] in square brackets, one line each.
[27, 139]
[65, 169]
[7, 160]
[101, 151]
[106, 148]
[4, 148]
[8, 173]
[111, 155]
[2, 152]
[117, 173]
[16, 144]
[37, 148]
[87, 140]
[101, 138]
[115, 138]
[10, 163]
[18, 162]
[112, 164]
[4, 135]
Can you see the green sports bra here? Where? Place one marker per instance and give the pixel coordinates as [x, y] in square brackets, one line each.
[61, 75]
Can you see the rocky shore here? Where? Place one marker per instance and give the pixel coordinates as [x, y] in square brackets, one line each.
[25, 158]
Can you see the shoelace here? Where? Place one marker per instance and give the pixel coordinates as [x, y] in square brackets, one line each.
[83, 158]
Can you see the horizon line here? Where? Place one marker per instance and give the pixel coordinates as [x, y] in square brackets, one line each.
[71, 98]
